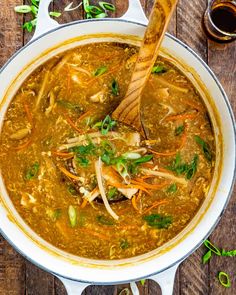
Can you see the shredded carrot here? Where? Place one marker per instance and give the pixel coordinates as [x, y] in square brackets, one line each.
[181, 117]
[148, 185]
[134, 203]
[94, 233]
[67, 173]
[63, 155]
[23, 146]
[69, 121]
[83, 205]
[155, 204]
[84, 115]
[28, 114]
[124, 186]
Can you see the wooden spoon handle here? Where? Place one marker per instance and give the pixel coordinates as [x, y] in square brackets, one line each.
[129, 109]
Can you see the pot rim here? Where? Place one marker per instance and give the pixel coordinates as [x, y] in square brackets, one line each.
[206, 67]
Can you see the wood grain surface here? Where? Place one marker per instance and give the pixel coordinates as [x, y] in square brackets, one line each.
[18, 276]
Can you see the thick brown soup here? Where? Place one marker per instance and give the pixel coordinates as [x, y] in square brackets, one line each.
[89, 185]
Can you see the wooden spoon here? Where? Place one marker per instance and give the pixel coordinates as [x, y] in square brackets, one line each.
[128, 111]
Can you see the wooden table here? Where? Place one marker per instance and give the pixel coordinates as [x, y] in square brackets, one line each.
[18, 276]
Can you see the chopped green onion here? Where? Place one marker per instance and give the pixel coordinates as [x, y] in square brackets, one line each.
[32, 171]
[101, 15]
[179, 130]
[100, 71]
[115, 87]
[131, 156]
[230, 253]
[224, 279]
[172, 188]
[55, 13]
[158, 221]
[122, 169]
[107, 6]
[23, 9]
[104, 220]
[72, 213]
[71, 189]
[205, 147]
[211, 247]
[106, 125]
[207, 256]
[124, 244]
[142, 282]
[159, 69]
[83, 162]
[112, 193]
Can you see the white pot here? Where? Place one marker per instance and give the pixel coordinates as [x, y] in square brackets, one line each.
[160, 265]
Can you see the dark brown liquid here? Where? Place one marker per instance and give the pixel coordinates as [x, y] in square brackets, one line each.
[224, 17]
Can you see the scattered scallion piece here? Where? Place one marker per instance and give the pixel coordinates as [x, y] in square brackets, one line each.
[107, 6]
[106, 125]
[172, 188]
[33, 9]
[158, 221]
[207, 256]
[159, 69]
[224, 279]
[205, 147]
[112, 193]
[104, 220]
[142, 282]
[32, 171]
[179, 130]
[71, 189]
[179, 167]
[115, 87]
[72, 213]
[124, 244]
[213, 248]
[100, 71]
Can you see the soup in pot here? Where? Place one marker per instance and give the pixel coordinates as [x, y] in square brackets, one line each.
[92, 186]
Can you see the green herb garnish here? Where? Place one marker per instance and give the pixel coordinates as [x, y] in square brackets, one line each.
[83, 162]
[142, 282]
[179, 130]
[32, 171]
[104, 220]
[183, 168]
[115, 87]
[112, 193]
[159, 69]
[124, 244]
[213, 249]
[33, 9]
[158, 221]
[93, 11]
[69, 105]
[106, 125]
[54, 214]
[84, 149]
[72, 213]
[224, 279]
[172, 188]
[205, 147]
[107, 6]
[100, 71]
[71, 189]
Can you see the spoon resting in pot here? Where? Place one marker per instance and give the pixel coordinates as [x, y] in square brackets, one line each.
[128, 110]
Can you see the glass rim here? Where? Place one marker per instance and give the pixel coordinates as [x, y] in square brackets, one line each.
[212, 23]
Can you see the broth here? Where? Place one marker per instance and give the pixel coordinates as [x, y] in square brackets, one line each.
[92, 186]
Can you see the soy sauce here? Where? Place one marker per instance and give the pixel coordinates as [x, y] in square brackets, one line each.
[223, 16]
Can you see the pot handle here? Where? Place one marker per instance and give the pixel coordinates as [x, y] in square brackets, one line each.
[44, 22]
[73, 287]
[135, 12]
[166, 280]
